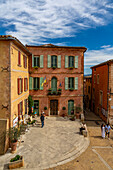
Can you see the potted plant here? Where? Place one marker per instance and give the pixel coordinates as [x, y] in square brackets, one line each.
[16, 162]
[54, 67]
[45, 108]
[36, 67]
[49, 89]
[64, 108]
[30, 103]
[54, 92]
[70, 68]
[49, 93]
[35, 88]
[59, 92]
[14, 134]
[72, 118]
[59, 89]
[71, 89]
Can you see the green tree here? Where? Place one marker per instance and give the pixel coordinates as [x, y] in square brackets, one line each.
[30, 103]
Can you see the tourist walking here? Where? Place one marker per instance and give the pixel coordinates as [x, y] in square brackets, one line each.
[42, 119]
[107, 129]
[103, 131]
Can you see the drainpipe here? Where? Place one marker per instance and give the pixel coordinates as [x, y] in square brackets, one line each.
[108, 95]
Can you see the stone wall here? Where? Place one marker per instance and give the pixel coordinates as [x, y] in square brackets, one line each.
[4, 141]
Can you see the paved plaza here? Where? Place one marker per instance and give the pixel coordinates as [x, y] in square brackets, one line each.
[57, 143]
[99, 154]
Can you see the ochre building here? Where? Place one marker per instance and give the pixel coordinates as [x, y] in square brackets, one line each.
[102, 90]
[56, 78]
[14, 80]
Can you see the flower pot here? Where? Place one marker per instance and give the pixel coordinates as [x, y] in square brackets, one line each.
[13, 147]
[16, 164]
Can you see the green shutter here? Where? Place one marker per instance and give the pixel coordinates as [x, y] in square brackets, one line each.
[76, 61]
[49, 61]
[30, 83]
[76, 83]
[66, 61]
[32, 60]
[41, 61]
[66, 83]
[59, 61]
[41, 83]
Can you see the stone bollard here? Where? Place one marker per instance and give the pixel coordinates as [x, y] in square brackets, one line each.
[82, 117]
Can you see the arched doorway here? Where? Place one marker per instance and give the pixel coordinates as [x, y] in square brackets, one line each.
[54, 84]
[70, 107]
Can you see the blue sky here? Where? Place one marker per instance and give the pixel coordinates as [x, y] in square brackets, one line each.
[86, 23]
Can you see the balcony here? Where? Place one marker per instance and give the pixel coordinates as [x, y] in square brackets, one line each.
[58, 92]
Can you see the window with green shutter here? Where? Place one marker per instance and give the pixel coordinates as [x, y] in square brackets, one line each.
[36, 61]
[76, 61]
[30, 83]
[71, 82]
[71, 61]
[66, 83]
[36, 83]
[32, 60]
[49, 61]
[41, 61]
[54, 61]
[76, 83]
[41, 83]
[66, 61]
[59, 61]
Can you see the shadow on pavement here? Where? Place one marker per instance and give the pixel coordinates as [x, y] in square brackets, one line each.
[98, 137]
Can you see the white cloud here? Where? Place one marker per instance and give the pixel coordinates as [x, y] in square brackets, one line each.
[37, 20]
[94, 57]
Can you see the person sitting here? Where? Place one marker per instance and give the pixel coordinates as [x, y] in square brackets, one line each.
[83, 127]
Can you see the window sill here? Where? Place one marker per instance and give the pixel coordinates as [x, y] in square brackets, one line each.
[71, 89]
[53, 67]
[71, 68]
[19, 93]
[36, 67]
[36, 89]
[25, 90]
[19, 65]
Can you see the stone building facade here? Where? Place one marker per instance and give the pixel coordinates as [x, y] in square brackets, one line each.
[56, 78]
[102, 90]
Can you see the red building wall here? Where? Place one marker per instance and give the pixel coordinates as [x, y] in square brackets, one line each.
[60, 74]
[102, 71]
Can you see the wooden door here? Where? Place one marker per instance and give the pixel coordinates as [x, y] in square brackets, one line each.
[54, 107]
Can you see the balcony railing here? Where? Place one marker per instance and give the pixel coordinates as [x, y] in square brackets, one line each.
[51, 92]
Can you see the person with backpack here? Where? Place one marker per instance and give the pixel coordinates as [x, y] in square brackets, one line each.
[42, 120]
[107, 129]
